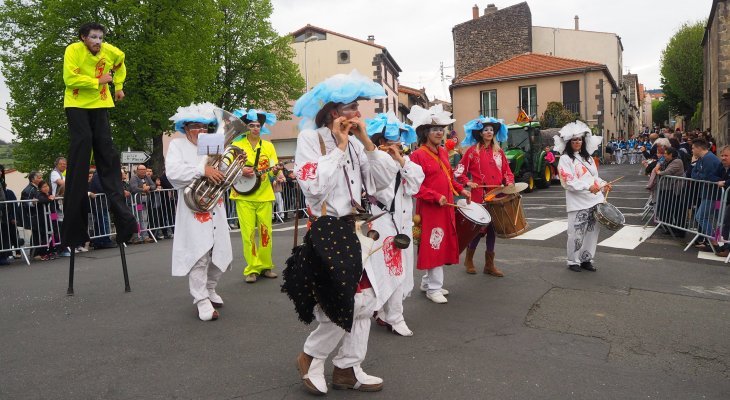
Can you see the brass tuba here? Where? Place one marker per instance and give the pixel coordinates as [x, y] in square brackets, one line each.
[202, 194]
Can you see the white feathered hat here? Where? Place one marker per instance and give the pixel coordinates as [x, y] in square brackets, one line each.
[435, 115]
[575, 130]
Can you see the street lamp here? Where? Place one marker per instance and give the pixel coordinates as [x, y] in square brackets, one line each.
[306, 74]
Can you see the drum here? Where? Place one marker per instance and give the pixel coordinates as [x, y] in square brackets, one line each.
[508, 218]
[470, 219]
[609, 216]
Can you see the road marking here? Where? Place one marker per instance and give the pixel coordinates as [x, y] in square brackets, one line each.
[706, 255]
[722, 291]
[288, 228]
[544, 232]
[629, 237]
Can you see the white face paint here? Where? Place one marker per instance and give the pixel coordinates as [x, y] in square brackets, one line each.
[93, 40]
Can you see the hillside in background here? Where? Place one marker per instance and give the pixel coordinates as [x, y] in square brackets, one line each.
[6, 154]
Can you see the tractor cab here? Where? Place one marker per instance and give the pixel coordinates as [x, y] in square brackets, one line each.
[526, 152]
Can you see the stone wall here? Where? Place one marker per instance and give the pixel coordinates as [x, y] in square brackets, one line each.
[489, 39]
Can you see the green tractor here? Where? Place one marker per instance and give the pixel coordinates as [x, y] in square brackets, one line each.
[525, 151]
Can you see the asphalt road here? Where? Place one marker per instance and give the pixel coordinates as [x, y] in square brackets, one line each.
[653, 322]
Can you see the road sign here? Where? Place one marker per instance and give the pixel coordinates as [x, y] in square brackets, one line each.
[134, 157]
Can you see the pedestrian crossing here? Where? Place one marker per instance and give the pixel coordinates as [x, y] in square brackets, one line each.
[628, 237]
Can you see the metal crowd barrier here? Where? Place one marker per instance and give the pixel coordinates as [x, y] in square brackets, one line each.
[28, 228]
[692, 206]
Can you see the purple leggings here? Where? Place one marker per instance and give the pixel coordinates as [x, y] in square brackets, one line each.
[491, 238]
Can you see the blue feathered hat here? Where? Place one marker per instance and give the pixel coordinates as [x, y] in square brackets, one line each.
[478, 124]
[393, 129]
[202, 113]
[264, 118]
[338, 88]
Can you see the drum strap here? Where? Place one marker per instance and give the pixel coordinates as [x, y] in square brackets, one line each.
[443, 167]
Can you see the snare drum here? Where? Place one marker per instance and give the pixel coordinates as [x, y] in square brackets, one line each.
[609, 216]
[470, 219]
[507, 215]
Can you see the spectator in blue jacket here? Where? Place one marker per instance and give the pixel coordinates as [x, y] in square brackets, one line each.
[723, 174]
[705, 169]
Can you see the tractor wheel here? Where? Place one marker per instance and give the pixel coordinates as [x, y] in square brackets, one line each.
[547, 177]
[529, 180]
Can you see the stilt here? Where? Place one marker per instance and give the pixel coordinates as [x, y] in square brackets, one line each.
[124, 268]
[70, 290]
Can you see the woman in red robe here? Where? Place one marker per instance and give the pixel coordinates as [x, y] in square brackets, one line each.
[439, 244]
[484, 164]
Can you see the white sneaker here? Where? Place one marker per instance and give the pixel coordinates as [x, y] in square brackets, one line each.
[425, 289]
[437, 298]
[402, 329]
[206, 312]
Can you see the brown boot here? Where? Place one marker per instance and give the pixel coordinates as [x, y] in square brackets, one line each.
[343, 379]
[489, 267]
[469, 261]
[304, 362]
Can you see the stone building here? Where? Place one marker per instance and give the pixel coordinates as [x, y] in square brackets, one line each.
[716, 99]
[498, 34]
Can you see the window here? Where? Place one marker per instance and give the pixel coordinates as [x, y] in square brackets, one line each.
[571, 96]
[528, 100]
[489, 103]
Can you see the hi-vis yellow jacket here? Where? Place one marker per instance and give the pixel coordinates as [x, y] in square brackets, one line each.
[81, 73]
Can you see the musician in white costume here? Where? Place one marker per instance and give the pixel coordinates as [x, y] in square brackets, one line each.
[583, 192]
[202, 245]
[391, 268]
[335, 161]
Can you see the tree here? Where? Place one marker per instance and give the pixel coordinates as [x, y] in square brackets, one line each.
[660, 113]
[682, 69]
[177, 52]
[167, 65]
[557, 116]
[257, 70]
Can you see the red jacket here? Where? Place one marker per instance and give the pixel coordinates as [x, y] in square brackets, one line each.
[485, 168]
[439, 244]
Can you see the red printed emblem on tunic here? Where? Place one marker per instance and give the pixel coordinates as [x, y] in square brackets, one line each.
[99, 71]
[203, 217]
[393, 257]
[308, 171]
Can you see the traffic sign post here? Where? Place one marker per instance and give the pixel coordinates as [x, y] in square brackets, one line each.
[134, 157]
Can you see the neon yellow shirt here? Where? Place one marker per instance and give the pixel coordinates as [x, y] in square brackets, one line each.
[267, 158]
[81, 73]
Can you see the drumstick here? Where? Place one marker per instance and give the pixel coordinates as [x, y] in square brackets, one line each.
[489, 186]
[455, 205]
[517, 213]
[612, 182]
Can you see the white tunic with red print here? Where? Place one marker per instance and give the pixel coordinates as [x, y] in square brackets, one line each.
[577, 176]
[391, 267]
[195, 233]
[323, 178]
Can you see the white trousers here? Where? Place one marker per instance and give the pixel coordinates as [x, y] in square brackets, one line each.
[582, 236]
[203, 278]
[279, 201]
[323, 340]
[433, 280]
[392, 311]
[619, 156]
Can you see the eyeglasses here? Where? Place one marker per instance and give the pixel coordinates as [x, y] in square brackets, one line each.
[252, 126]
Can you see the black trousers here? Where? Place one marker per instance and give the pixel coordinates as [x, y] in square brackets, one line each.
[89, 128]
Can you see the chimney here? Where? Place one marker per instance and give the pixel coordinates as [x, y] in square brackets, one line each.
[576, 23]
[491, 9]
[475, 12]
[371, 39]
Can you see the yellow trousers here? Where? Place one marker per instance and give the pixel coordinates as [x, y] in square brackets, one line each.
[255, 217]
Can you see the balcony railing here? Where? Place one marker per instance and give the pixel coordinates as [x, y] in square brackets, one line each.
[572, 107]
[489, 112]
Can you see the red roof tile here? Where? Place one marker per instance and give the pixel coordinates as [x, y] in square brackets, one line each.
[527, 64]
